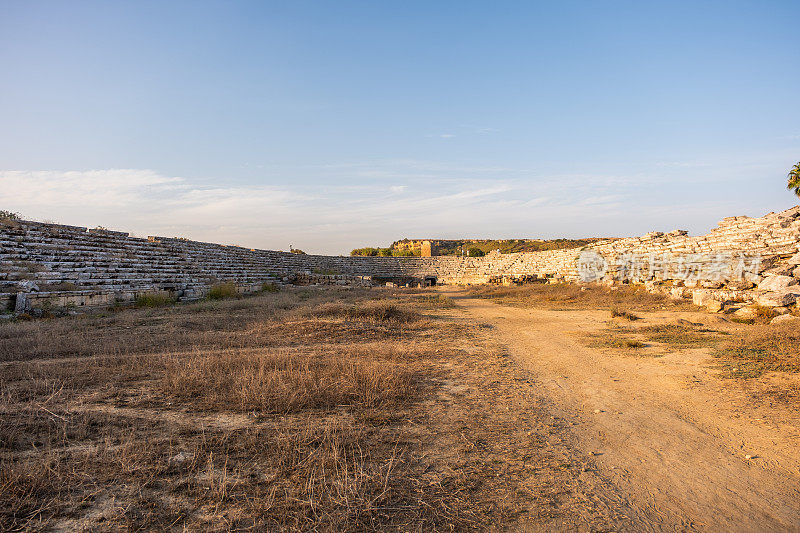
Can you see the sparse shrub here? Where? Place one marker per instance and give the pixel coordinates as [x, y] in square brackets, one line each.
[9, 215]
[764, 314]
[269, 287]
[613, 339]
[153, 299]
[627, 315]
[220, 291]
[631, 343]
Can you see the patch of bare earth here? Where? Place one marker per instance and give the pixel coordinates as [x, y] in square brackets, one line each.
[302, 410]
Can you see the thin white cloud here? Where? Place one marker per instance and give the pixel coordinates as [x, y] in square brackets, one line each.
[330, 219]
[427, 199]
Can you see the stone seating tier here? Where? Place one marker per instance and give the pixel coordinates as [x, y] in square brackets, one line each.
[37, 256]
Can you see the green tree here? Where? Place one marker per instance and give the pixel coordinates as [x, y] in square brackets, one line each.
[794, 179]
[368, 252]
[475, 252]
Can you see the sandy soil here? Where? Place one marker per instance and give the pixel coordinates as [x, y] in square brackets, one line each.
[667, 432]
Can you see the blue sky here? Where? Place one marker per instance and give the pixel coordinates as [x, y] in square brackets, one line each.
[331, 125]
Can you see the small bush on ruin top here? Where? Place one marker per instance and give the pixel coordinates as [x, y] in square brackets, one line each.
[269, 287]
[220, 291]
[154, 299]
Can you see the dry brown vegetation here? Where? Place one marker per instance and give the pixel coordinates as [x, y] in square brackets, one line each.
[744, 349]
[662, 338]
[760, 348]
[314, 410]
[300, 410]
[625, 299]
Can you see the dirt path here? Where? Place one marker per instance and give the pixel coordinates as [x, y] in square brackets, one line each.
[666, 431]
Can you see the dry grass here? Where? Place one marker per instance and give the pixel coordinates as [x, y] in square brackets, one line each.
[569, 296]
[220, 291]
[437, 301]
[285, 381]
[301, 410]
[679, 336]
[154, 299]
[760, 348]
[661, 337]
[614, 339]
[246, 323]
[372, 311]
[742, 352]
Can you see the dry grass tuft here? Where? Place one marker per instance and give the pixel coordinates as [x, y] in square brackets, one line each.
[221, 291]
[680, 335]
[437, 301]
[759, 349]
[372, 311]
[627, 315]
[154, 299]
[285, 382]
[671, 336]
[572, 296]
[614, 339]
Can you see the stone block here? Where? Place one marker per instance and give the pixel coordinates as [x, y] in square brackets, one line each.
[746, 313]
[702, 297]
[785, 319]
[776, 283]
[779, 270]
[777, 299]
[22, 304]
[677, 293]
[741, 285]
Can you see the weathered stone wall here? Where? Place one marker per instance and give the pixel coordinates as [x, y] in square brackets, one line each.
[69, 265]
